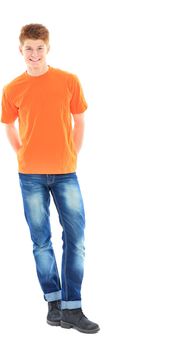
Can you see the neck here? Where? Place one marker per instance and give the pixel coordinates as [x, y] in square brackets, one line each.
[37, 71]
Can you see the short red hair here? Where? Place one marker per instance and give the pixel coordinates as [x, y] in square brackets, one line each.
[34, 31]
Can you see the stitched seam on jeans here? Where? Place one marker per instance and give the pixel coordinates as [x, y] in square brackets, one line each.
[65, 250]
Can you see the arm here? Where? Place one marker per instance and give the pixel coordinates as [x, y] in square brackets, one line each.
[78, 130]
[13, 136]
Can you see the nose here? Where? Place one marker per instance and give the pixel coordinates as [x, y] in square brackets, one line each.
[34, 53]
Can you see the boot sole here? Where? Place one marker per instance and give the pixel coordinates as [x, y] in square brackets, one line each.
[54, 323]
[70, 325]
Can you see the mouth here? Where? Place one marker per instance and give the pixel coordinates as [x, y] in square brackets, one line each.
[37, 60]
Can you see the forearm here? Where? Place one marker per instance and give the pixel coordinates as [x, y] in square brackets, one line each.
[78, 135]
[13, 137]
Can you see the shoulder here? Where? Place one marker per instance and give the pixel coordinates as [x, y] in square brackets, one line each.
[66, 79]
[12, 85]
[63, 74]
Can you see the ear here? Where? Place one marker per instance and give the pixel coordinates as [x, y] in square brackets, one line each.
[20, 49]
[48, 48]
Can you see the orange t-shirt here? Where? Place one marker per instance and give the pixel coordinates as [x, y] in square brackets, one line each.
[44, 106]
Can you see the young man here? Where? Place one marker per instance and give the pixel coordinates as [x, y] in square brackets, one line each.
[44, 99]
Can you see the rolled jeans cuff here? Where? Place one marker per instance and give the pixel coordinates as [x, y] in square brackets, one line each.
[75, 304]
[53, 296]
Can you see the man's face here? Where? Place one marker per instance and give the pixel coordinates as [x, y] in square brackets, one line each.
[34, 53]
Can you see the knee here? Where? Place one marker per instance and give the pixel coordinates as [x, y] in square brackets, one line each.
[41, 245]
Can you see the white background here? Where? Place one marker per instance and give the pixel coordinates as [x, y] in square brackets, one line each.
[126, 54]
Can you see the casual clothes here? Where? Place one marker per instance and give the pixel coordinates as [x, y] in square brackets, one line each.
[67, 197]
[44, 105]
[47, 162]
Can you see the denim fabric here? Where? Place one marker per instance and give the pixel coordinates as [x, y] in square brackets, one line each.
[65, 191]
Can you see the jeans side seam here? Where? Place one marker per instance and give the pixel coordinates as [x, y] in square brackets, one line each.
[65, 250]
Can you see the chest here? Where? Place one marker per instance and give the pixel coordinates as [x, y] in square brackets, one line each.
[35, 97]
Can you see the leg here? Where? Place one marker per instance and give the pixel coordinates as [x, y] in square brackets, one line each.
[69, 203]
[36, 200]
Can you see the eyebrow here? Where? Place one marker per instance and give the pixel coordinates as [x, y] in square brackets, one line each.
[28, 46]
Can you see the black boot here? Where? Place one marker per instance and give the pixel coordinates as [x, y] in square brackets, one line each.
[54, 313]
[76, 319]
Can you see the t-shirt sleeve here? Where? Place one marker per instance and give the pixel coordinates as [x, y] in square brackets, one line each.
[9, 112]
[78, 103]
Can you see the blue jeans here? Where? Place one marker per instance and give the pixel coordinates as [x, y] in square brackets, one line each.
[65, 191]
